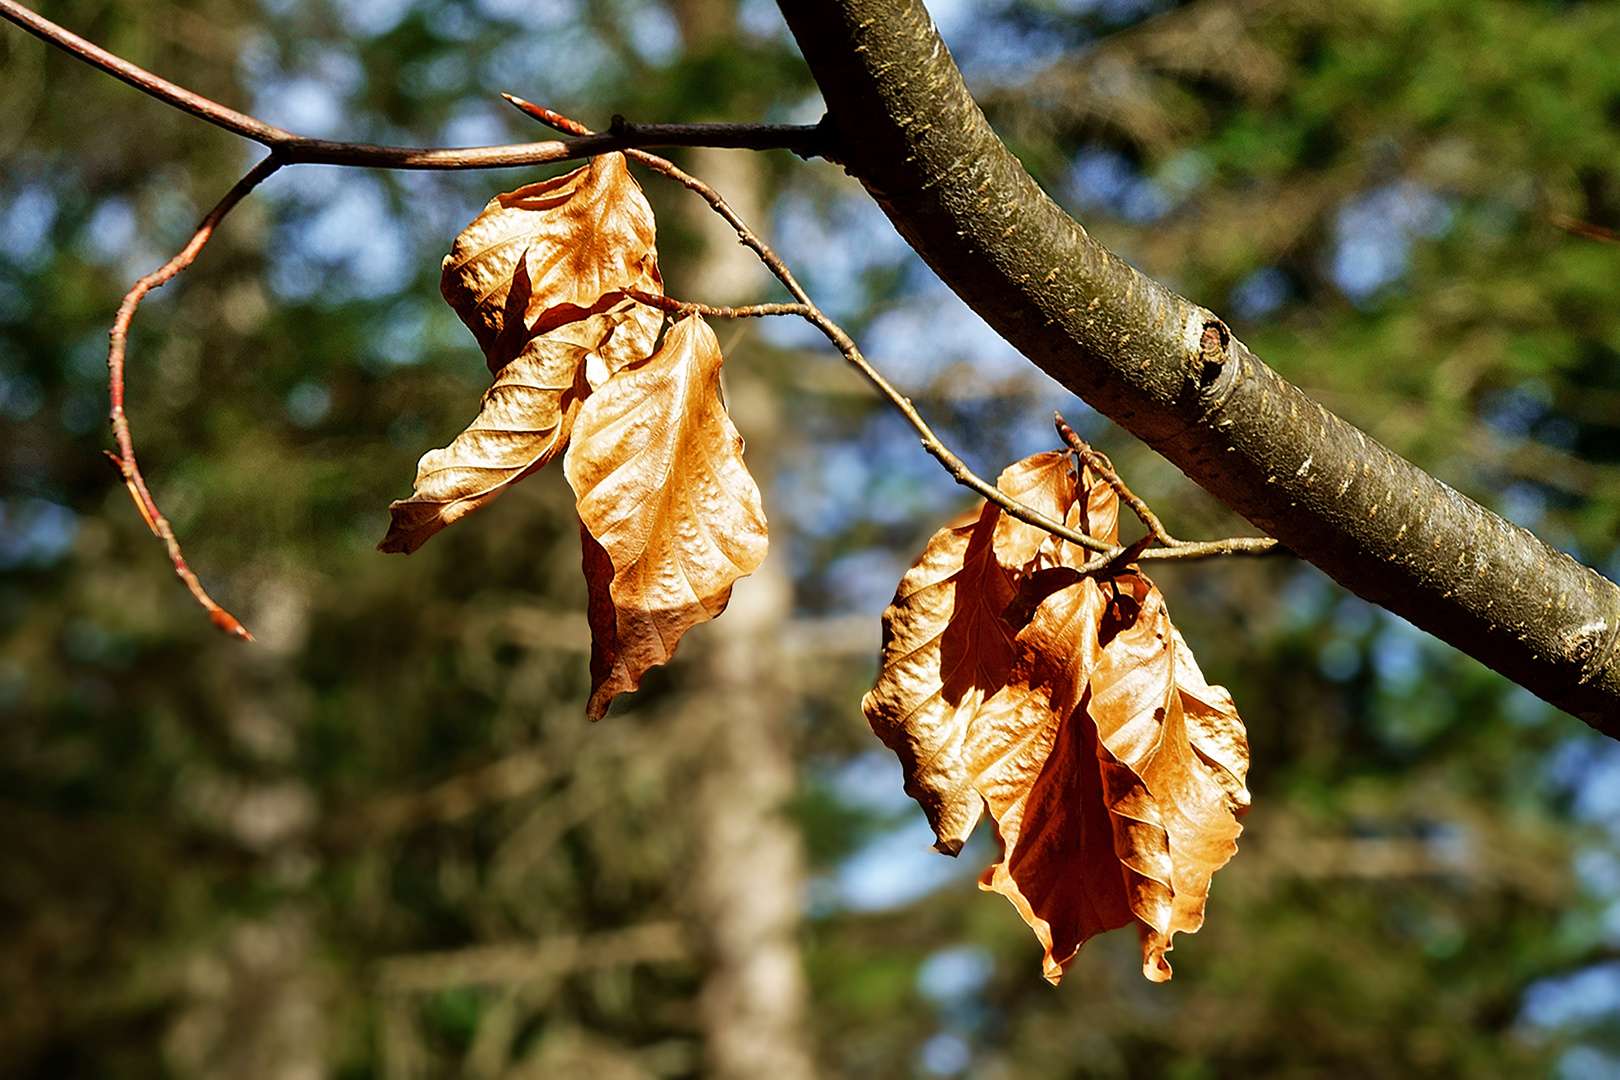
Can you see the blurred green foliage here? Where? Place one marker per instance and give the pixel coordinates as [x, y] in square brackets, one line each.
[269, 861]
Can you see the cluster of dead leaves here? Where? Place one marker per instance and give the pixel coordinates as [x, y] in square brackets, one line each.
[1063, 702]
[1070, 708]
[669, 516]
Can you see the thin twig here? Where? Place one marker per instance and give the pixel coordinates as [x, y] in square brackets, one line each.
[834, 333]
[1104, 468]
[1586, 229]
[806, 140]
[1173, 548]
[288, 149]
[682, 308]
[125, 458]
[1205, 549]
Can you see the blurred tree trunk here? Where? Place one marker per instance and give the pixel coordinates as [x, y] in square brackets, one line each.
[750, 872]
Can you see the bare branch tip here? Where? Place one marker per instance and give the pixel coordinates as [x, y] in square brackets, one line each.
[229, 625]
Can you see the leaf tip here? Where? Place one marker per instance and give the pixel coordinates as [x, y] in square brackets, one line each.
[399, 541]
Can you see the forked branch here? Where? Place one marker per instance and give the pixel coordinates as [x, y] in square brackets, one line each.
[287, 148]
[806, 309]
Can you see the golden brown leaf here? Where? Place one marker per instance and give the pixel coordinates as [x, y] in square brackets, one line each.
[1113, 771]
[1060, 867]
[1180, 814]
[1043, 482]
[658, 471]
[523, 421]
[945, 650]
[549, 253]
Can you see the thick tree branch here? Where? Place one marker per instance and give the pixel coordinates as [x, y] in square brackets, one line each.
[1168, 371]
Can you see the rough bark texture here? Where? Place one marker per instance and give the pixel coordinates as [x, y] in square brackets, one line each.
[1169, 372]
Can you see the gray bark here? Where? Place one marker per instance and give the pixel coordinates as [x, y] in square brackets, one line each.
[1170, 372]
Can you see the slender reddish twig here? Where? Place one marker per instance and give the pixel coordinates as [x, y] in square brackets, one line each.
[288, 148]
[125, 458]
[1173, 548]
[1104, 468]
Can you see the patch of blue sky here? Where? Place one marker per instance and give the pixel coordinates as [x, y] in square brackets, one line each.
[653, 34]
[1586, 766]
[1576, 1000]
[1586, 1063]
[35, 533]
[870, 781]
[311, 96]
[554, 63]
[899, 865]
[349, 244]
[532, 14]
[107, 237]
[1523, 503]
[944, 1054]
[451, 22]
[1374, 236]
[881, 476]
[834, 243]
[931, 331]
[1516, 412]
[368, 18]
[954, 974]
[862, 583]
[1398, 655]
[762, 20]
[413, 326]
[1261, 293]
[1102, 179]
[25, 226]
[308, 404]
[1306, 598]
[992, 50]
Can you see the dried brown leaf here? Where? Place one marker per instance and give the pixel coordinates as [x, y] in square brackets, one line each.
[945, 650]
[1045, 483]
[1045, 790]
[1164, 786]
[658, 471]
[1113, 771]
[523, 421]
[549, 253]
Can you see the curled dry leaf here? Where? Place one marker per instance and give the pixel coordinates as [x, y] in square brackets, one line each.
[673, 515]
[1072, 710]
[550, 253]
[540, 278]
[523, 421]
[669, 517]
